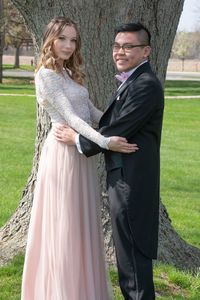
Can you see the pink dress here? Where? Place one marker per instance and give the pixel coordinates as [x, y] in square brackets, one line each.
[64, 256]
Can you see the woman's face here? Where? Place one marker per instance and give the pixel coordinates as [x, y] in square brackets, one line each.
[65, 44]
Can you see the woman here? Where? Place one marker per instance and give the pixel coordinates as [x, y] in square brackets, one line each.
[64, 256]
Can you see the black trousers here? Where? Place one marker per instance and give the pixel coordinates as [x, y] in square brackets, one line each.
[135, 269]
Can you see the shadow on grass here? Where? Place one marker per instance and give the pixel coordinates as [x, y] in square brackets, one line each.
[14, 88]
[15, 82]
[22, 67]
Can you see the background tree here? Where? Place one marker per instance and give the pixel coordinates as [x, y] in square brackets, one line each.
[2, 29]
[16, 33]
[97, 20]
[182, 46]
[195, 44]
[187, 46]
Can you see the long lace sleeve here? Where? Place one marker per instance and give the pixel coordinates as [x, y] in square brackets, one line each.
[51, 86]
[95, 113]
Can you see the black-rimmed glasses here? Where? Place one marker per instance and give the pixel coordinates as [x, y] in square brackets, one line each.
[125, 47]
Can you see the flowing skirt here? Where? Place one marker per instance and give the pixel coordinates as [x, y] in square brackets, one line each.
[64, 256]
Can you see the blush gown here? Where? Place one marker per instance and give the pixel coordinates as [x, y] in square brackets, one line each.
[64, 256]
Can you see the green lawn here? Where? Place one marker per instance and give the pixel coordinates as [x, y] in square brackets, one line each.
[17, 89]
[22, 67]
[180, 173]
[182, 88]
[180, 166]
[17, 125]
[16, 85]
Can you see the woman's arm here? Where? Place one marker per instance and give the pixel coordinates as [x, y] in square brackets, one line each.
[51, 85]
[95, 113]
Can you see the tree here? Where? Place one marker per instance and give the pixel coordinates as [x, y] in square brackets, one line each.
[97, 20]
[2, 35]
[187, 44]
[182, 46]
[195, 44]
[16, 33]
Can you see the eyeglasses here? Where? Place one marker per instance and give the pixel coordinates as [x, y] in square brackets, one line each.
[125, 47]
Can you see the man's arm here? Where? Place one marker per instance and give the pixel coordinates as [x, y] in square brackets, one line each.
[140, 105]
[88, 147]
[64, 133]
[142, 101]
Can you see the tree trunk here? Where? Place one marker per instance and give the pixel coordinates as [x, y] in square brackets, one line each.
[1, 57]
[182, 60]
[1, 40]
[97, 20]
[17, 50]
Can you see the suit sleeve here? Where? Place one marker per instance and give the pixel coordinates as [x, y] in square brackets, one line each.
[142, 100]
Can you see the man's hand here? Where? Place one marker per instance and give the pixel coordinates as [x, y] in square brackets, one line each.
[65, 134]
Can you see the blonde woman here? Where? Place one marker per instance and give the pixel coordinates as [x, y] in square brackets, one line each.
[64, 256]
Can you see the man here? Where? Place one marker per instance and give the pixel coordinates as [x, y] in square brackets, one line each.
[135, 112]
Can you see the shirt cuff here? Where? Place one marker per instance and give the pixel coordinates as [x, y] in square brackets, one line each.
[78, 145]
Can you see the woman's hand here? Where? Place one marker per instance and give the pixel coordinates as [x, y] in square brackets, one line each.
[120, 144]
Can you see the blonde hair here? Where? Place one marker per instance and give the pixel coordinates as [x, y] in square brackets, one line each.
[47, 57]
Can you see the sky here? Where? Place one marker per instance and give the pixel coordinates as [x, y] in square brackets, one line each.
[190, 17]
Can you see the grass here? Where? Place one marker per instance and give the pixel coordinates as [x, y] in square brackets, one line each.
[17, 124]
[182, 88]
[19, 89]
[22, 67]
[10, 88]
[10, 279]
[170, 284]
[180, 166]
[180, 171]
[17, 85]
[174, 284]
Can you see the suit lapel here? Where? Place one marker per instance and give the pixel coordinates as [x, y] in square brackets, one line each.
[117, 94]
[130, 80]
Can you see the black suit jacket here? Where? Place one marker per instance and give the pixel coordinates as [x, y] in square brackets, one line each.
[136, 115]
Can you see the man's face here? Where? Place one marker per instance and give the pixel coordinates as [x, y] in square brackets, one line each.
[129, 58]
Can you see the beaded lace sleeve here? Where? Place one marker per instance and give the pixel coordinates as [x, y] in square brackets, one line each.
[51, 86]
[95, 113]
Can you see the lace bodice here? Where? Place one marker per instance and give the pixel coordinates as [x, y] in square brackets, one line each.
[68, 102]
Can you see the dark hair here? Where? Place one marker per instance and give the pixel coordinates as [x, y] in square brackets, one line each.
[143, 32]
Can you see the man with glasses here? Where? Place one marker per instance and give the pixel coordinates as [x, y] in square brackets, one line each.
[135, 112]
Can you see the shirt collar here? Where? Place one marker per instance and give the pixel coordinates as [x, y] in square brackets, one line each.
[130, 72]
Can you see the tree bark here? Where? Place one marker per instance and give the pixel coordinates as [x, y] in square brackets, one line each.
[1, 57]
[1, 39]
[97, 20]
[17, 51]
